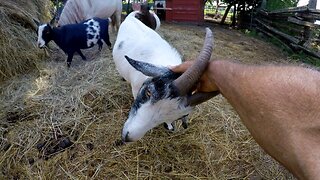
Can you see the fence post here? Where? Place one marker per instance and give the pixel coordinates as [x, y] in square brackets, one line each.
[307, 34]
[264, 4]
[312, 4]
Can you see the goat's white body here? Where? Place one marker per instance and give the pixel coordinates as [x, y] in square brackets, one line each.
[139, 42]
[76, 11]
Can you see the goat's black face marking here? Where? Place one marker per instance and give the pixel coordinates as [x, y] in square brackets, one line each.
[157, 102]
[44, 35]
[91, 28]
[155, 89]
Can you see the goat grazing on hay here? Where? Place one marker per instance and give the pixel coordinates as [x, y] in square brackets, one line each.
[73, 37]
[161, 96]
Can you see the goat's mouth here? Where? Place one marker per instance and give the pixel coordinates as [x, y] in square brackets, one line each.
[41, 46]
[126, 138]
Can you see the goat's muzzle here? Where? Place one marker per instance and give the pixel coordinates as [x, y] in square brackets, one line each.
[126, 138]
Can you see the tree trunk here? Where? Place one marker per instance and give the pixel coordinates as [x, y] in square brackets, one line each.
[217, 7]
[128, 9]
[233, 24]
[264, 4]
[225, 14]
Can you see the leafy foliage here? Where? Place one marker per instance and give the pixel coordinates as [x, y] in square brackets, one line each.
[280, 4]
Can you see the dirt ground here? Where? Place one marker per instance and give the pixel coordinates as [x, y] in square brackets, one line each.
[58, 123]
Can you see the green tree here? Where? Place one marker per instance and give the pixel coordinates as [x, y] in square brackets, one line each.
[276, 4]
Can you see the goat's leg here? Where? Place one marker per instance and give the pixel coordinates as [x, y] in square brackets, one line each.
[184, 120]
[100, 44]
[118, 19]
[82, 56]
[107, 41]
[70, 56]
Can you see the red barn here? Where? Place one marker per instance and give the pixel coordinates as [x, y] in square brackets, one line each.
[185, 10]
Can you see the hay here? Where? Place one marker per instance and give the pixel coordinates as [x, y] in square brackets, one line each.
[18, 52]
[89, 103]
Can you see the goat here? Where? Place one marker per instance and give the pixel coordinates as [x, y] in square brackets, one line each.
[147, 17]
[79, 10]
[73, 37]
[161, 96]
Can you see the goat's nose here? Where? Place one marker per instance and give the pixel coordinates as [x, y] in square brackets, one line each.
[126, 138]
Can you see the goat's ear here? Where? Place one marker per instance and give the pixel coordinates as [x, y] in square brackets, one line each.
[147, 68]
[36, 21]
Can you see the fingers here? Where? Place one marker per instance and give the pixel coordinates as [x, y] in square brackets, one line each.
[181, 67]
[205, 84]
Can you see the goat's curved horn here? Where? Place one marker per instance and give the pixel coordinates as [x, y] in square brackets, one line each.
[188, 79]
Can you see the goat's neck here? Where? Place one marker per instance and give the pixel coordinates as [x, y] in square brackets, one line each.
[57, 37]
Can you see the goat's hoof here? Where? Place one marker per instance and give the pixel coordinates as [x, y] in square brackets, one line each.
[110, 47]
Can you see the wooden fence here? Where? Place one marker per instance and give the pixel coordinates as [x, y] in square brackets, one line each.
[294, 27]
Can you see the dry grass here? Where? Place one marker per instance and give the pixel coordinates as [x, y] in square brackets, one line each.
[89, 103]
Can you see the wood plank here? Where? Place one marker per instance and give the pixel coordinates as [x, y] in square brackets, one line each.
[309, 16]
[305, 49]
[295, 46]
[263, 12]
[284, 25]
[283, 35]
[316, 11]
[290, 10]
[300, 22]
[276, 38]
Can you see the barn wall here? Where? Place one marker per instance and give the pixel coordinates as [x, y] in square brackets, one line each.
[185, 10]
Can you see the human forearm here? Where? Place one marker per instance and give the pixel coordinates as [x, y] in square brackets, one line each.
[278, 105]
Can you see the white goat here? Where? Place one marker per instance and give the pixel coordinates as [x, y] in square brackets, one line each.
[134, 40]
[165, 97]
[76, 11]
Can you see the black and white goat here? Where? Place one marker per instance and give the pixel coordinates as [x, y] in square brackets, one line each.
[73, 37]
[161, 96]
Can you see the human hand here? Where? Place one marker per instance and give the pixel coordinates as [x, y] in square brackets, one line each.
[206, 82]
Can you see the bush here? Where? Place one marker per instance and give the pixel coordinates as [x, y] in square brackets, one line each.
[280, 4]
